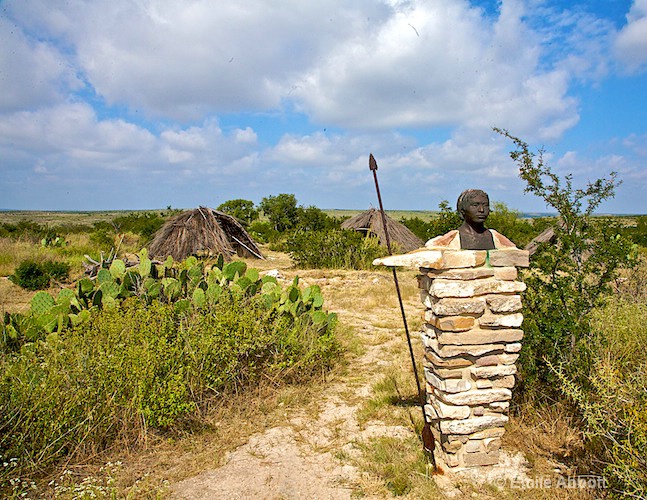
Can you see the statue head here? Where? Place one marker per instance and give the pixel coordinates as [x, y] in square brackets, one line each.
[473, 206]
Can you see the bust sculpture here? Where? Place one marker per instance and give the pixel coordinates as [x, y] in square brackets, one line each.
[473, 206]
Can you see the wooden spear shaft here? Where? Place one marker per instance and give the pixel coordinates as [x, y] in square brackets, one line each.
[427, 436]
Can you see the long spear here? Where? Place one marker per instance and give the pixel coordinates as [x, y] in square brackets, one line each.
[427, 436]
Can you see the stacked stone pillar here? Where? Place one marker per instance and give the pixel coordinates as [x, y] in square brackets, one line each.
[472, 338]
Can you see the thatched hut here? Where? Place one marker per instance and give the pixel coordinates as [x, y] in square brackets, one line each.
[371, 222]
[203, 231]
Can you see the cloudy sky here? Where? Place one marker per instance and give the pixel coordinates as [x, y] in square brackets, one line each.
[132, 104]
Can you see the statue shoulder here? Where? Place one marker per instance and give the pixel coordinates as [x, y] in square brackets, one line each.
[447, 240]
[501, 241]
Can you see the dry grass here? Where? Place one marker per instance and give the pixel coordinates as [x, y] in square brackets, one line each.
[549, 440]
[168, 458]
[13, 299]
[14, 252]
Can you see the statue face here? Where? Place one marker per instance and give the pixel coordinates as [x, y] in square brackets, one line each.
[477, 210]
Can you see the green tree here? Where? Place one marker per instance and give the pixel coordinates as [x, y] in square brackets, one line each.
[243, 210]
[281, 210]
[314, 219]
[569, 278]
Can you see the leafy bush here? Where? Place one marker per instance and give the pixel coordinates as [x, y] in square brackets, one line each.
[281, 210]
[567, 279]
[149, 362]
[103, 236]
[57, 271]
[27, 230]
[263, 232]
[32, 275]
[314, 219]
[637, 233]
[510, 224]
[143, 224]
[333, 249]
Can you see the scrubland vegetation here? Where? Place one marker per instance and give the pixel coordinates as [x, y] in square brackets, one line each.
[91, 366]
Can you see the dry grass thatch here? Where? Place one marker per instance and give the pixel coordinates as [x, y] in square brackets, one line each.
[371, 222]
[203, 231]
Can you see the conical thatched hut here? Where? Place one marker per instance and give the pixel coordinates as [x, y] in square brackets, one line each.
[371, 222]
[202, 231]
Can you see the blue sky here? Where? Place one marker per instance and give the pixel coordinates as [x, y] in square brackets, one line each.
[135, 104]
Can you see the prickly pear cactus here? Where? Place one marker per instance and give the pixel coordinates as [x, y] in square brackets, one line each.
[41, 303]
[117, 269]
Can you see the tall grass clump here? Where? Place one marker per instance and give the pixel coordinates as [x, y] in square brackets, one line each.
[139, 364]
[613, 404]
[333, 249]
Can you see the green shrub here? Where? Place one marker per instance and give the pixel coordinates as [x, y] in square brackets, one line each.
[568, 278]
[143, 224]
[333, 249]
[613, 403]
[32, 275]
[57, 271]
[103, 238]
[510, 224]
[281, 210]
[138, 365]
[314, 219]
[263, 232]
[27, 230]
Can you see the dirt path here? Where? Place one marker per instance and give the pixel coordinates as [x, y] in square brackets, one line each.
[314, 453]
[299, 460]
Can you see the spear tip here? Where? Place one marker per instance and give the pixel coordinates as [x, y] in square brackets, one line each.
[372, 164]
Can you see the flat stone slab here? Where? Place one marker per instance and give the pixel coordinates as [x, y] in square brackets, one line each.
[470, 425]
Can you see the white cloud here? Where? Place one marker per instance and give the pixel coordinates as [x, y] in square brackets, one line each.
[184, 59]
[72, 130]
[631, 43]
[246, 136]
[455, 68]
[32, 73]
[69, 137]
[366, 64]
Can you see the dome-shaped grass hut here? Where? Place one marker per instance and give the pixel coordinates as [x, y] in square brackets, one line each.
[203, 231]
[371, 222]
